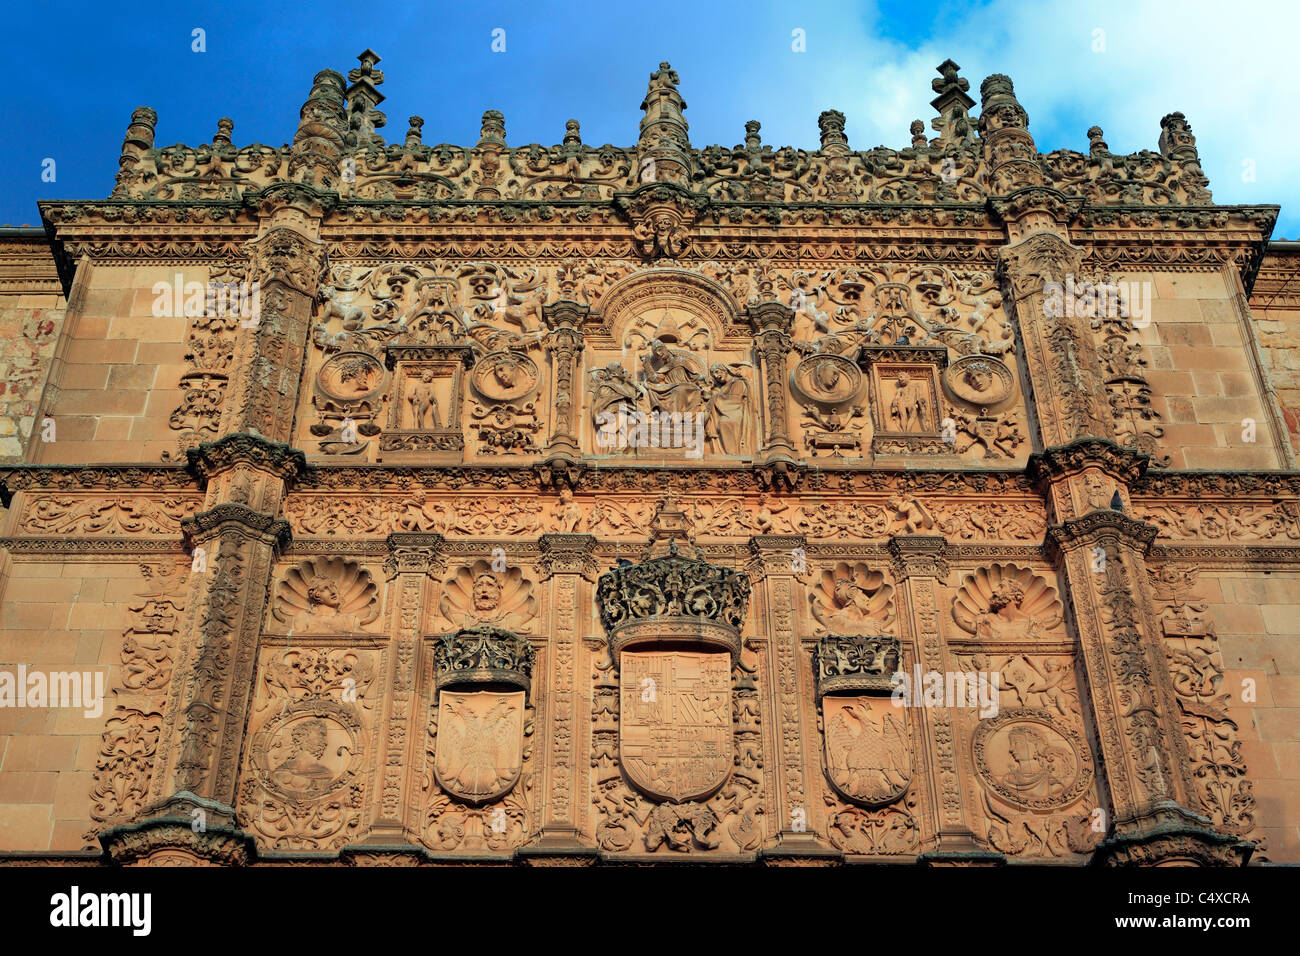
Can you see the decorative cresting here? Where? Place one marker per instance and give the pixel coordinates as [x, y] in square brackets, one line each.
[484, 676]
[483, 655]
[673, 599]
[865, 734]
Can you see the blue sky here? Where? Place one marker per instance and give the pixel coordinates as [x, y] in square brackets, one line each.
[80, 68]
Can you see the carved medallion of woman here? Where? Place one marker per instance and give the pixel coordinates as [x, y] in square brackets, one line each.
[726, 412]
[673, 379]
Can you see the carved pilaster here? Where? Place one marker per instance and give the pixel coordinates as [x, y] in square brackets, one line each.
[1101, 555]
[919, 565]
[772, 322]
[775, 563]
[233, 547]
[567, 562]
[565, 347]
[412, 558]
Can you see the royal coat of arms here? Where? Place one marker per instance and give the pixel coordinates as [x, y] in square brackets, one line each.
[867, 755]
[479, 749]
[675, 722]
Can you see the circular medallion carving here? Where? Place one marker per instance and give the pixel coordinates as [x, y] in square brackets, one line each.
[308, 751]
[830, 379]
[979, 379]
[504, 376]
[352, 377]
[1032, 760]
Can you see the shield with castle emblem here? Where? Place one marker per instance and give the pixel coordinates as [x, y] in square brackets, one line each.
[480, 743]
[675, 722]
[868, 759]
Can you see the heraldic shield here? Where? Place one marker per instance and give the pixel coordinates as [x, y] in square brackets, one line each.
[868, 759]
[480, 743]
[675, 722]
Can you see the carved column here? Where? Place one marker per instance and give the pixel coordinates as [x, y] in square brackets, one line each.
[567, 561]
[1100, 555]
[247, 472]
[772, 322]
[565, 345]
[919, 565]
[412, 558]
[791, 727]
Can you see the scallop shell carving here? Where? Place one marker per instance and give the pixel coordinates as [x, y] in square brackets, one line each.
[853, 599]
[1006, 601]
[327, 594]
[479, 595]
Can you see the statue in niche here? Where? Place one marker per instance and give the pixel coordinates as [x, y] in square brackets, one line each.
[673, 378]
[423, 403]
[907, 409]
[726, 411]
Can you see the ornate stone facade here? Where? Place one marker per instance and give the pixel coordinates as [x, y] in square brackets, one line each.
[558, 505]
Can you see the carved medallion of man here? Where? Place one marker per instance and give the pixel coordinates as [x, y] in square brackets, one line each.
[727, 411]
[907, 410]
[673, 379]
[423, 403]
[303, 772]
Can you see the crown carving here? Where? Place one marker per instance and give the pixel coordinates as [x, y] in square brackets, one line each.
[856, 663]
[483, 655]
[673, 600]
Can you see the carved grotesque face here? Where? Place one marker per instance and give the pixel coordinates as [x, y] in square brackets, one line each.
[487, 593]
[1008, 594]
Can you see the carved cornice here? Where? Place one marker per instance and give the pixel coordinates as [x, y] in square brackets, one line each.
[1096, 525]
[241, 448]
[414, 551]
[253, 524]
[567, 554]
[919, 555]
[1176, 837]
[1126, 465]
[169, 836]
[312, 202]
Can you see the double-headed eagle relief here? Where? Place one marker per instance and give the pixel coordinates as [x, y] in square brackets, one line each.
[480, 742]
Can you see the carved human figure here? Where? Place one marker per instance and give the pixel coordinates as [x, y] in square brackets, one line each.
[487, 593]
[915, 517]
[1004, 617]
[767, 510]
[727, 411]
[423, 403]
[302, 771]
[672, 379]
[569, 514]
[907, 409]
[613, 391]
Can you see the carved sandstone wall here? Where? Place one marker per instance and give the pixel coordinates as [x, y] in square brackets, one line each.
[372, 576]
